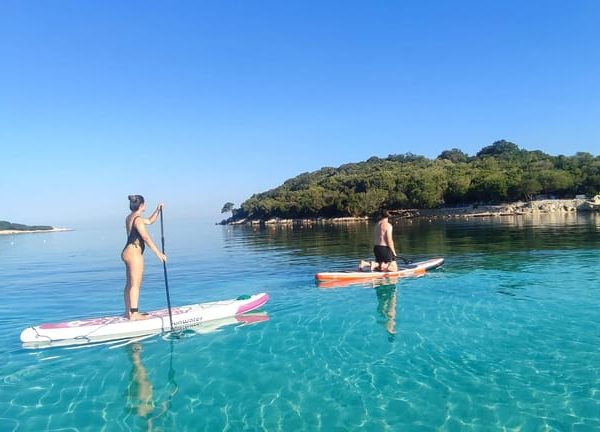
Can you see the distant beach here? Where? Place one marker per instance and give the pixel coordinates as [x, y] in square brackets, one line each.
[9, 232]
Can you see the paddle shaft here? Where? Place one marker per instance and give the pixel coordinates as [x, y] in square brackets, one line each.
[162, 241]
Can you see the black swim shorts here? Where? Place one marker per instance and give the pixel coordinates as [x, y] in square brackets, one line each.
[383, 254]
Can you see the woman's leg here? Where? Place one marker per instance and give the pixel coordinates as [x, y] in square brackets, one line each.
[135, 266]
[137, 273]
[126, 290]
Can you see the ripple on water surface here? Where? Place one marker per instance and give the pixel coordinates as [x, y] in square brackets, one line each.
[504, 337]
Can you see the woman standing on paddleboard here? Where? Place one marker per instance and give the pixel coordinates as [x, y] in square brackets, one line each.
[132, 255]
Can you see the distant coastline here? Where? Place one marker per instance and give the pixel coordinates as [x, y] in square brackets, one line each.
[8, 228]
[520, 208]
[10, 232]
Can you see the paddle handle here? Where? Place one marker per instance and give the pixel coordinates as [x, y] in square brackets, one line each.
[162, 242]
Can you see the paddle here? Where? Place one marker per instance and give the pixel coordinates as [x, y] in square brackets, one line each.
[162, 240]
[406, 260]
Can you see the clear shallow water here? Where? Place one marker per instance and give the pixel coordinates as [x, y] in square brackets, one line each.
[504, 337]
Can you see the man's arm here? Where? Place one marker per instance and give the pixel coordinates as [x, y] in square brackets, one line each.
[390, 239]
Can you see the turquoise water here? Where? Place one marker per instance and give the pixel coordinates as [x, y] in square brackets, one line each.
[505, 337]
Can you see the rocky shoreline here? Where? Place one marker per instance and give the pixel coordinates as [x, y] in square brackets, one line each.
[519, 208]
[537, 207]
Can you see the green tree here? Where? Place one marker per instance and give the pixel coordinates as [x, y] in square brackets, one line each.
[228, 207]
[489, 187]
[503, 149]
[459, 183]
[555, 182]
[530, 186]
[455, 155]
[427, 187]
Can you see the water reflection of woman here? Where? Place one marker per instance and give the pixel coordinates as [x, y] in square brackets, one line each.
[139, 391]
[386, 299]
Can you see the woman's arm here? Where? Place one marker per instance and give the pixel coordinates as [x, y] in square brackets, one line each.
[154, 215]
[141, 227]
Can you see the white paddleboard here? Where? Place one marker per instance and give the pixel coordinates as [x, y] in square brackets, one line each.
[118, 327]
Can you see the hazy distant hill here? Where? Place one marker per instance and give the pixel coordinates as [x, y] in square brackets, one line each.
[501, 172]
[4, 225]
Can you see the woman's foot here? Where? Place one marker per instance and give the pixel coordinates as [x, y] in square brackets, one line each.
[137, 316]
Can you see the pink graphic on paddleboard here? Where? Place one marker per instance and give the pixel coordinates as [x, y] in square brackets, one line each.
[112, 320]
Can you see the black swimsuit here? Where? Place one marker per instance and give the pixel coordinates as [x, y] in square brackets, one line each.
[135, 238]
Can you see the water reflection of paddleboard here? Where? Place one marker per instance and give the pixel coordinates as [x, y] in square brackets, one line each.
[241, 320]
[117, 327]
[413, 269]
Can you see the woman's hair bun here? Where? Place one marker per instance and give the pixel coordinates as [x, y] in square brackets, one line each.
[135, 201]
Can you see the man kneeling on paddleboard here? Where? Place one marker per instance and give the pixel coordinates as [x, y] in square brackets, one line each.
[384, 250]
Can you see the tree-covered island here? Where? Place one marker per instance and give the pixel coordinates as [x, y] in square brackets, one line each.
[10, 227]
[498, 173]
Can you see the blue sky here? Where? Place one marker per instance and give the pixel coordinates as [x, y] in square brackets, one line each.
[199, 103]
